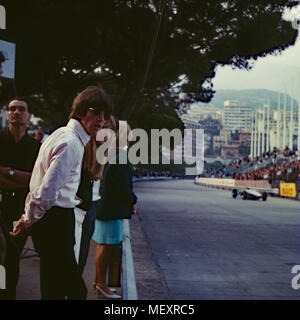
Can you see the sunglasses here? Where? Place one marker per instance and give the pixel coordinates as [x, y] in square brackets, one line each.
[106, 115]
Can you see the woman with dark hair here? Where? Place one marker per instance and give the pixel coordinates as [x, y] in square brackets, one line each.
[118, 202]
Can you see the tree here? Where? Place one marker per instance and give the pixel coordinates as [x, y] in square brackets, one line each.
[137, 54]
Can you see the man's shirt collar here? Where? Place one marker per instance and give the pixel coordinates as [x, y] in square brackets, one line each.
[80, 131]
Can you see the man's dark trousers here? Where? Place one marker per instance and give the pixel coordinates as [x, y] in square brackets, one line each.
[54, 240]
[88, 227]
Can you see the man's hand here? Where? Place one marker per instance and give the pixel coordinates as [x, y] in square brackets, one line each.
[134, 208]
[20, 228]
[19, 180]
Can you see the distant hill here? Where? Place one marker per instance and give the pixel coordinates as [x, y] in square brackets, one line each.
[251, 97]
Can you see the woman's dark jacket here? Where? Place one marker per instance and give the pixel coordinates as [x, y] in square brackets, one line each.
[117, 197]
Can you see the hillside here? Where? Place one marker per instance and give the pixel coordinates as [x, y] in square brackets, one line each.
[252, 97]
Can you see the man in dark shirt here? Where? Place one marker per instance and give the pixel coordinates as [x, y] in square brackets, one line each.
[17, 158]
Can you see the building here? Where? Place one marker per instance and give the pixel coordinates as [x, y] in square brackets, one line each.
[275, 128]
[228, 148]
[197, 113]
[223, 139]
[191, 124]
[196, 149]
[245, 137]
[236, 116]
[230, 151]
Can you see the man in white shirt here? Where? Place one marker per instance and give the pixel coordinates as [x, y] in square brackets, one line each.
[49, 205]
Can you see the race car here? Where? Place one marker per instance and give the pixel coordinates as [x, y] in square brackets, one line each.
[249, 194]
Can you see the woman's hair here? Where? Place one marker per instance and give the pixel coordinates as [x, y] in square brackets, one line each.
[89, 158]
[112, 123]
[120, 131]
[90, 163]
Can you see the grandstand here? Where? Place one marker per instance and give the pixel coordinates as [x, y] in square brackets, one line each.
[271, 166]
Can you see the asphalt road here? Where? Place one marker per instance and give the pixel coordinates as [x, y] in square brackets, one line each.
[209, 246]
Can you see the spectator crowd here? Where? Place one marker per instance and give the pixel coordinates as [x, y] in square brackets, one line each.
[275, 165]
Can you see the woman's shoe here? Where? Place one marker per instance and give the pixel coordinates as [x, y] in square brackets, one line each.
[96, 291]
[94, 287]
[106, 295]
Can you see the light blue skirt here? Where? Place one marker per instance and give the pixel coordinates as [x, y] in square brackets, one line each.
[108, 232]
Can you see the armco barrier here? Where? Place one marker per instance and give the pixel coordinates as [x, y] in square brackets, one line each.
[134, 179]
[230, 183]
[218, 182]
[226, 184]
[261, 185]
[264, 184]
[129, 284]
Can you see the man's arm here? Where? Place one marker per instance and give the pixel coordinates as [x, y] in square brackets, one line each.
[42, 198]
[19, 180]
[121, 183]
[9, 184]
[21, 177]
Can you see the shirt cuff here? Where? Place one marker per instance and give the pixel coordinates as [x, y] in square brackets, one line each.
[25, 220]
[33, 214]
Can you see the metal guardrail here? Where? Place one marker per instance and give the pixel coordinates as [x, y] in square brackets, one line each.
[134, 179]
[274, 191]
[129, 284]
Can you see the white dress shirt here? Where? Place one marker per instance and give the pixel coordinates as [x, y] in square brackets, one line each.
[57, 172]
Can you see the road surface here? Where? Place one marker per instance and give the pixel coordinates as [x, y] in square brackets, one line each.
[209, 246]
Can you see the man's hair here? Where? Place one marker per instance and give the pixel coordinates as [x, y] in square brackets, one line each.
[91, 97]
[24, 99]
[2, 58]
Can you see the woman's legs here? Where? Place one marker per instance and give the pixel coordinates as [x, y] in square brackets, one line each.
[102, 261]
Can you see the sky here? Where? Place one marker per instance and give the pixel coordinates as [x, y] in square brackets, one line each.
[278, 73]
